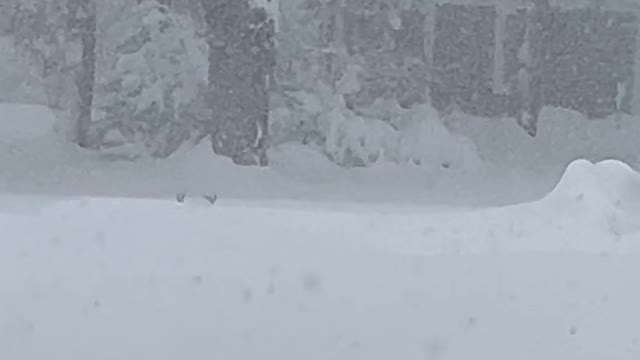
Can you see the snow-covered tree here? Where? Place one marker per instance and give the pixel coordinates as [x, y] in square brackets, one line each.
[534, 56]
[58, 37]
[319, 40]
[337, 59]
[314, 71]
[152, 69]
[83, 26]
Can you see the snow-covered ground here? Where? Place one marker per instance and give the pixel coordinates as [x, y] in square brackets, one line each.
[304, 260]
[155, 279]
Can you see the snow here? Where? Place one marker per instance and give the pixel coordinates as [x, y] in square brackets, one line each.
[155, 279]
[494, 163]
[608, 192]
[50, 167]
[35, 121]
[307, 260]
[383, 132]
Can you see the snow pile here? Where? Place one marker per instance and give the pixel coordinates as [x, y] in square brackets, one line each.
[607, 193]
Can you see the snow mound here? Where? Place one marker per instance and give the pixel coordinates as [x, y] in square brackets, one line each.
[608, 190]
[19, 122]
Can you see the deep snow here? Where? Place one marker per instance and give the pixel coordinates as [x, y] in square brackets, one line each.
[304, 260]
[155, 279]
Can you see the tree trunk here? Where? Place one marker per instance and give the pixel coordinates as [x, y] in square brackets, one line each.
[539, 19]
[241, 61]
[85, 78]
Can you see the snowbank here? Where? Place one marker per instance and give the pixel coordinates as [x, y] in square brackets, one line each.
[131, 279]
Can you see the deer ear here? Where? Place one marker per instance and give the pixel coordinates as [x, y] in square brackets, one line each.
[211, 199]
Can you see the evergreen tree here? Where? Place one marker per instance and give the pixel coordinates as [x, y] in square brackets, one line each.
[59, 38]
[152, 70]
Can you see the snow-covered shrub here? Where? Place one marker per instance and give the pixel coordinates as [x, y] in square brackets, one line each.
[152, 69]
[384, 133]
[423, 139]
[351, 140]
